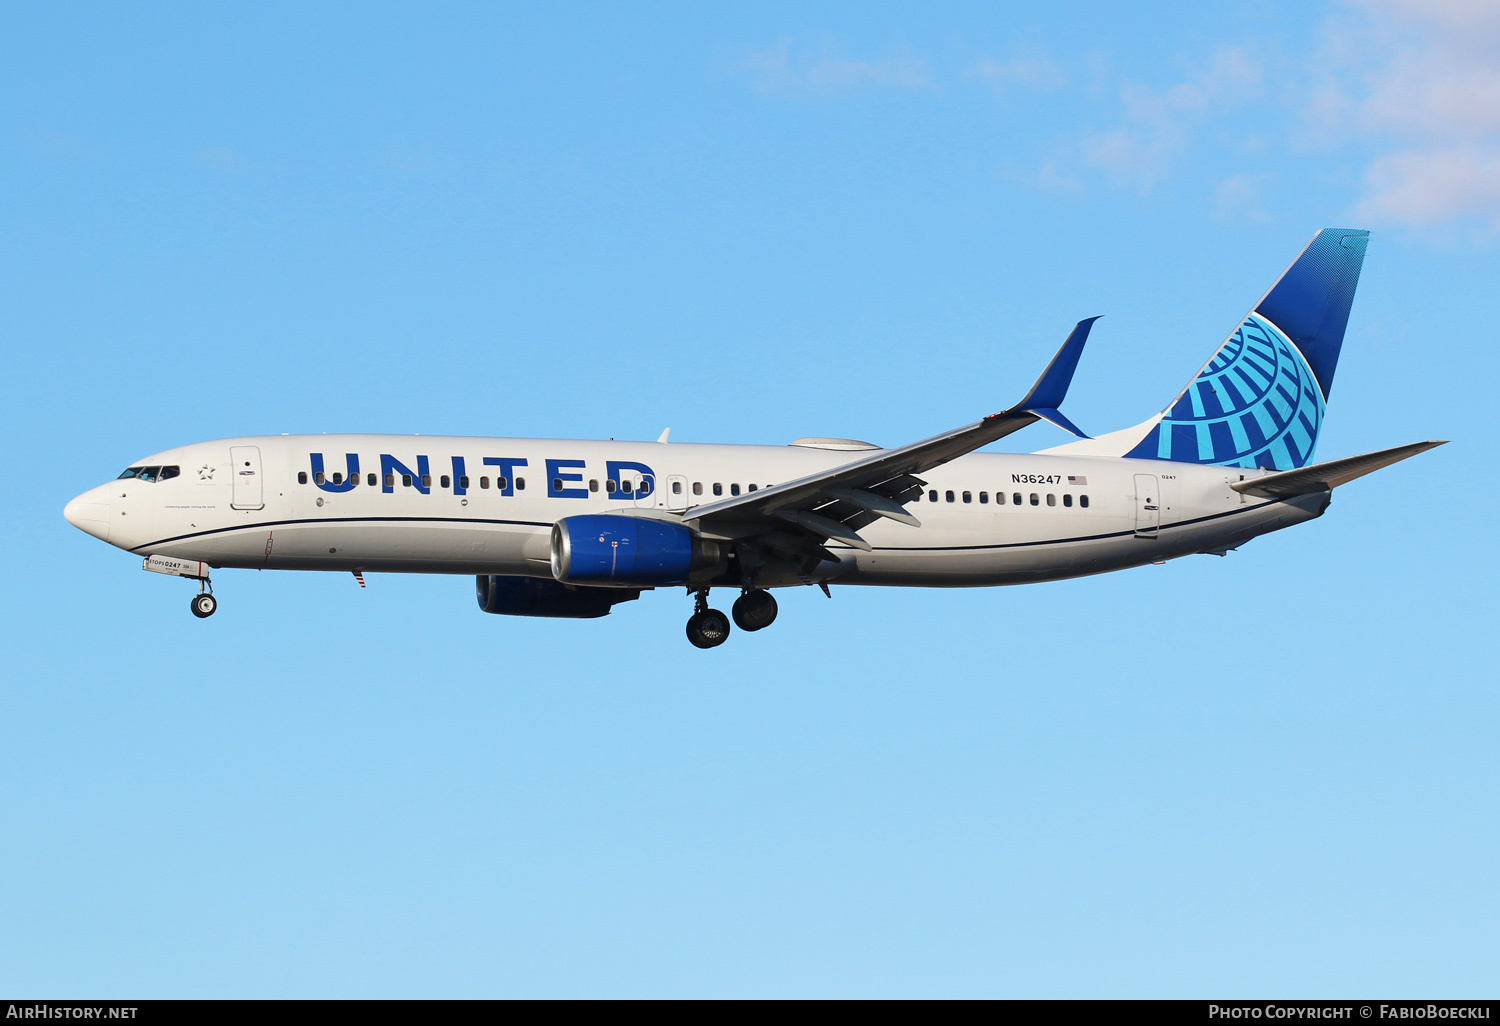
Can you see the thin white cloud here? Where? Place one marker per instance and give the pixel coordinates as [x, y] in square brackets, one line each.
[1028, 72]
[1237, 199]
[782, 71]
[1052, 177]
[1423, 81]
[220, 158]
[61, 144]
[1424, 187]
[1158, 124]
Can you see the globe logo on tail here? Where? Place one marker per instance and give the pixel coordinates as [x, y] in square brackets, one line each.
[1256, 404]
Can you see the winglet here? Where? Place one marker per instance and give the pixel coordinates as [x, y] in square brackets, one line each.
[1052, 387]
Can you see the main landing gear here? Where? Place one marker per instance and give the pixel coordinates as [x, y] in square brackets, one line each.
[754, 610]
[706, 628]
[709, 628]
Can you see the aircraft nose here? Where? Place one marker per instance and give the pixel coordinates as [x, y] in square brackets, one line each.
[90, 513]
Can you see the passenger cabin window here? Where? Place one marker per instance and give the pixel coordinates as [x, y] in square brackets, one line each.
[406, 480]
[338, 478]
[611, 486]
[502, 483]
[1015, 498]
[932, 495]
[626, 487]
[754, 487]
[520, 484]
[484, 483]
[594, 484]
[1083, 500]
[1067, 500]
[426, 480]
[697, 487]
[718, 488]
[463, 481]
[1051, 499]
[370, 480]
[302, 477]
[1034, 500]
[968, 496]
[734, 489]
[984, 497]
[318, 478]
[390, 480]
[676, 487]
[948, 495]
[442, 481]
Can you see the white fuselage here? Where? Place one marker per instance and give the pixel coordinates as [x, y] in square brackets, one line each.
[257, 503]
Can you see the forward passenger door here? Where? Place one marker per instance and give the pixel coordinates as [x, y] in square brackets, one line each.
[245, 473]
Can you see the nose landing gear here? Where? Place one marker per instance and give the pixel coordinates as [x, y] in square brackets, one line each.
[706, 628]
[204, 602]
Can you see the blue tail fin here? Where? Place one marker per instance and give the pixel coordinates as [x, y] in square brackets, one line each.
[1260, 401]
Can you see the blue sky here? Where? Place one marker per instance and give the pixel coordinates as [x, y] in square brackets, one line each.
[1273, 773]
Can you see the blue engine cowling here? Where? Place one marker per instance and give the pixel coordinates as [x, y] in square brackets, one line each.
[625, 551]
[537, 596]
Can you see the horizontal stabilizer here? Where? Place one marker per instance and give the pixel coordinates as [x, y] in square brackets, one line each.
[1324, 477]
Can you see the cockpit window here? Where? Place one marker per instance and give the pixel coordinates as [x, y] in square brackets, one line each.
[150, 473]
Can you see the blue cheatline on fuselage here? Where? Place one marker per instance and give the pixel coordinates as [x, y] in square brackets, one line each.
[1256, 404]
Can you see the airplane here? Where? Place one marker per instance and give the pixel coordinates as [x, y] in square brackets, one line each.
[563, 528]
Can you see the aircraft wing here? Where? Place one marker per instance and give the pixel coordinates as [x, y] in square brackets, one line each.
[1322, 477]
[835, 503]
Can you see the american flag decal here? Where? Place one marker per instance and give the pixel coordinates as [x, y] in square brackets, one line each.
[1077, 480]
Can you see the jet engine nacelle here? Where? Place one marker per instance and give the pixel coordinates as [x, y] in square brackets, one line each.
[615, 550]
[537, 596]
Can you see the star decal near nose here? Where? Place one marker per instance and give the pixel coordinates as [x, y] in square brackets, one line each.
[205, 473]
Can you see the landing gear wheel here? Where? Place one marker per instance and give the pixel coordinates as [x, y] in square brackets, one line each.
[754, 610]
[204, 605]
[708, 628]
